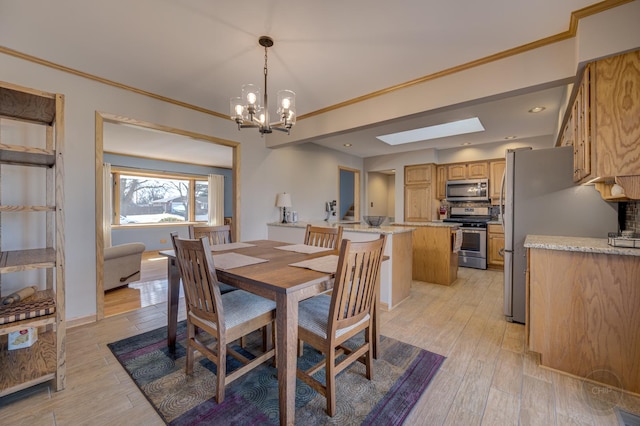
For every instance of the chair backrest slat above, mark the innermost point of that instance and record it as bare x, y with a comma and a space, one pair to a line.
356, 282
216, 234
322, 236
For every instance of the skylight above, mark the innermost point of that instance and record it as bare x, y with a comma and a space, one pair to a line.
461, 127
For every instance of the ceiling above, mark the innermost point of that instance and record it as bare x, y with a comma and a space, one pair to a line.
200, 52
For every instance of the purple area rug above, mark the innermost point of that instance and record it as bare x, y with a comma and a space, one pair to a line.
400, 375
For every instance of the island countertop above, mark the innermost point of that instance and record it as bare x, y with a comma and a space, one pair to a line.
577, 244
348, 226
435, 223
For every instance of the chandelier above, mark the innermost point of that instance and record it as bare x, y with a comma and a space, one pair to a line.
247, 111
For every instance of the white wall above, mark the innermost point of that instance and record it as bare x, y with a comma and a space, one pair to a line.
308, 172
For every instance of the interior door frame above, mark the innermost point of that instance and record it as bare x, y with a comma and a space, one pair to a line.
101, 118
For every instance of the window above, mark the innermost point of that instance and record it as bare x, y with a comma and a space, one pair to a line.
145, 197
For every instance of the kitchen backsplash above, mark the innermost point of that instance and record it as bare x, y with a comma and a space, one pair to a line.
632, 216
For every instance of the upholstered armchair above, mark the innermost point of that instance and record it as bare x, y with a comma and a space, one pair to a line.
122, 264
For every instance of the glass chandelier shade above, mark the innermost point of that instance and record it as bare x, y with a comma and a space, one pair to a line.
251, 109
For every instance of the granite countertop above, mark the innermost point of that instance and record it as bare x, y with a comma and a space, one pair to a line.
348, 227
435, 223
494, 222
578, 244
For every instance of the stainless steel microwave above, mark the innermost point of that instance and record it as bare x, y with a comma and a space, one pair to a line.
468, 190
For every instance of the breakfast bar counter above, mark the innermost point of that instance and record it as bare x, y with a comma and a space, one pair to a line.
395, 274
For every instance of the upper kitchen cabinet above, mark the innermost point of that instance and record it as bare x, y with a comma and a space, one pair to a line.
496, 170
461, 171
419, 173
419, 193
602, 124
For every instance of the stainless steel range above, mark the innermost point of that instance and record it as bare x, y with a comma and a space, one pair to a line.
473, 220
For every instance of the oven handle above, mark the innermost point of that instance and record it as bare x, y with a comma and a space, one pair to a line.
473, 231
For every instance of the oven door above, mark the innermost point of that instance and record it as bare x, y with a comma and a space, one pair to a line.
473, 253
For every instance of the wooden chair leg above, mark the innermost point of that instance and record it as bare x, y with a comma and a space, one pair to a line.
221, 370
300, 348
191, 331
330, 390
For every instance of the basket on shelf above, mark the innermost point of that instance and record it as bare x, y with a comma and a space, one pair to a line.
41, 303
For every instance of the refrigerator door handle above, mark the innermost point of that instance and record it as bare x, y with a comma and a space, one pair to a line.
508, 284
504, 175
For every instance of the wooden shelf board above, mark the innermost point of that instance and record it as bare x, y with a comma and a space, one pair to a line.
22, 368
28, 106
12, 154
32, 322
22, 260
27, 208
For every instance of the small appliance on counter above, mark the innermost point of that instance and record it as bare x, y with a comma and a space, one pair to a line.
330, 210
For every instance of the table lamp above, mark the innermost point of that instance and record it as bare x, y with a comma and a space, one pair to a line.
283, 200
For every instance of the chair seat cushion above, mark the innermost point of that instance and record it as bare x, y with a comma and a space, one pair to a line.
313, 315
226, 288
241, 306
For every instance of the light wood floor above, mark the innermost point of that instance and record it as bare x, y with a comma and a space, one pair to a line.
487, 378
151, 289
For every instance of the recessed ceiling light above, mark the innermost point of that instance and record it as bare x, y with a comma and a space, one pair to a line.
461, 127
347, 145
510, 137
537, 109
466, 143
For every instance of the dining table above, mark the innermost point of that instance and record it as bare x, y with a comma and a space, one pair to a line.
274, 278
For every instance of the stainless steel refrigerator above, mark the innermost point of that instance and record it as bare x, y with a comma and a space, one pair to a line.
540, 198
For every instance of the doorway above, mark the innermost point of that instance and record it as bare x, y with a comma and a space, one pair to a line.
348, 194
101, 119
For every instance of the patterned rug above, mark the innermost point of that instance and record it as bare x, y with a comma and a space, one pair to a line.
400, 375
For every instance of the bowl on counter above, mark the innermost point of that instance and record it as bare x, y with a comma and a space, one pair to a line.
374, 221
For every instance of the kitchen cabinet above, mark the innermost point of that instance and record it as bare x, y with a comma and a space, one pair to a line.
420, 203
462, 171
433, 258
601, 122
419, 174
495, 250
496, 170
441, 182
37, 172
582, 311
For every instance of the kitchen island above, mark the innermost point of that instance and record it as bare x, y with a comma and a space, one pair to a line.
434, 260
395, 275
583, 316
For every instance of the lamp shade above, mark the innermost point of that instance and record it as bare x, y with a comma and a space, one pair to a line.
283, 200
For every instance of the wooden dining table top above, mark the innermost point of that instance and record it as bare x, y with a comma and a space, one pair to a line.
276, 275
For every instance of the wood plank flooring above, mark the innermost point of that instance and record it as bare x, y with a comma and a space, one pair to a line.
487, 379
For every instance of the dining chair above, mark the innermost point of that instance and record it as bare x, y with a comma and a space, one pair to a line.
323, 236
326, 322
220, 234
227, 317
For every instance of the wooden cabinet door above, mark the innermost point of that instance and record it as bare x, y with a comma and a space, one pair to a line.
418, 174
496, 246
417, 203
478, 170
456, 171
496, 170
616, 101
441, 182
